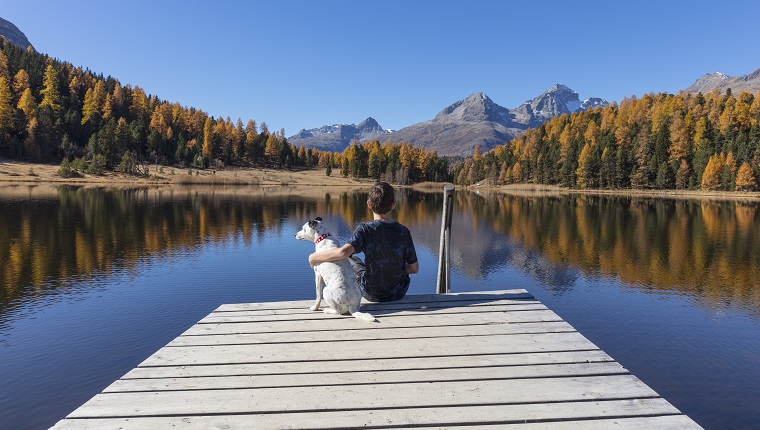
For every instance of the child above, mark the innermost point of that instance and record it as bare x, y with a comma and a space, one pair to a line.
388, 250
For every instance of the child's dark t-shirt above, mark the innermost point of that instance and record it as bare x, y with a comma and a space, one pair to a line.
387, 248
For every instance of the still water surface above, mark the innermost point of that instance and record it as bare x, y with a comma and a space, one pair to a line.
93, 280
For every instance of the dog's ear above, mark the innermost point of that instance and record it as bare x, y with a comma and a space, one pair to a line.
319, 218
313, 224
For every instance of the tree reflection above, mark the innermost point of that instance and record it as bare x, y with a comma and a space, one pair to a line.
703, 248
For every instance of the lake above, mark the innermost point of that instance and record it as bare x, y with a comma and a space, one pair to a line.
95, 280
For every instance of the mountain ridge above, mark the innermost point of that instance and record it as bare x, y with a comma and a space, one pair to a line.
458, 128
722, 82
13, 34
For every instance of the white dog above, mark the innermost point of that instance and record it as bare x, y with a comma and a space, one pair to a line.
341, 290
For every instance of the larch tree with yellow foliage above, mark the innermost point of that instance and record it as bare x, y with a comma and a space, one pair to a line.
27, 104
585, 171
208, 139
50, 95
712, 173
20, 83
94, 99
6, 107
745, 179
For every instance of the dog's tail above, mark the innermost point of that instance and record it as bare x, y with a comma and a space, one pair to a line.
363, 316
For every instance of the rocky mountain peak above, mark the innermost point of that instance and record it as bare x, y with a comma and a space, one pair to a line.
561, 92
337, 137
369, 124
476, 107
457, 129
13, 34
722, 82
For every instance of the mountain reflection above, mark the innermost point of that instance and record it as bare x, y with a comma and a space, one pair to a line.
704, 248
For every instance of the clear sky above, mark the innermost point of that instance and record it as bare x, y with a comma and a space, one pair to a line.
304, 64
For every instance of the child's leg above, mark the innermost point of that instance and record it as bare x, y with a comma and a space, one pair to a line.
358, 266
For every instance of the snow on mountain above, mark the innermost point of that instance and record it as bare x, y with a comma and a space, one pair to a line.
722, 82
458, 128
337, 137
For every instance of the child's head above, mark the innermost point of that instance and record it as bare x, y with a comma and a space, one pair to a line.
382, 198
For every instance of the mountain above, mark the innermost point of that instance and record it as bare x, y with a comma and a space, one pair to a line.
711, 81
478, 121
13, 34
337, 137
460, 127
457, 129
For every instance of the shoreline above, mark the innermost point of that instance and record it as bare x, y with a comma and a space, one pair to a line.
13, 172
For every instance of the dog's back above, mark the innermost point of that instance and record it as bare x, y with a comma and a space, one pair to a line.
341, 291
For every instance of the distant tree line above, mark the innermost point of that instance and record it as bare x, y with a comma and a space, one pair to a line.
659, 141
399, 163
53, 111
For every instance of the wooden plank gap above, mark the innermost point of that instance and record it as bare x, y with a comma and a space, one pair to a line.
412, 357
374, 327
441, 406
316, 340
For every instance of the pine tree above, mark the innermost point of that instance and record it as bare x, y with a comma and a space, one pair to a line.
679, 137
585, 170
94, 99
711, 175
683, 175
20, 83
745, 179
4, 70
272, 148
27, 103
208, 139
728, 177
6, 107
50, 95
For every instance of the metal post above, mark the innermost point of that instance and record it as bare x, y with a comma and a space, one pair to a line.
443, 284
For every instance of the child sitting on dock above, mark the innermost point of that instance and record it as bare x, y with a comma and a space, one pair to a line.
388, 249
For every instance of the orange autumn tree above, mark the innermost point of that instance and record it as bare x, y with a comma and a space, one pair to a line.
711, 176
745, 179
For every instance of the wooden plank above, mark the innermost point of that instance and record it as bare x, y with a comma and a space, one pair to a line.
318, 377
304, 307
306, 314
315, 398
418, 298
463, 362
324, 337
481, 360
370, 349
627, 415
324, 322
670, 422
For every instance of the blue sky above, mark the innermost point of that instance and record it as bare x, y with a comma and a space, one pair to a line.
304, 64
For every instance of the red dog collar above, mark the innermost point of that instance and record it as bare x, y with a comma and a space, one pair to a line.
321, 238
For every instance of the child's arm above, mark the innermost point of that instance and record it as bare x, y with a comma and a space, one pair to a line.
334, 254
411, 269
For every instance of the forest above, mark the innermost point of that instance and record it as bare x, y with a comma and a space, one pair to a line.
658, 141
52, 111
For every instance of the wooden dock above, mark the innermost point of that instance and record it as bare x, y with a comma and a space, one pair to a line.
480, 360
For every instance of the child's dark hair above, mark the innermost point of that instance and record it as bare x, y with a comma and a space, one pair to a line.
381, 198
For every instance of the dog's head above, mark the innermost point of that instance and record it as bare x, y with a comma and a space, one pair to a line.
311, 230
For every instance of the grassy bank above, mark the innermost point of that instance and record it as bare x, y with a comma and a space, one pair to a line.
19, 171
12, 171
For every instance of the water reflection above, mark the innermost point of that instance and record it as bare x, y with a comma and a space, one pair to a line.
702, 248
117, 273
49, 235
